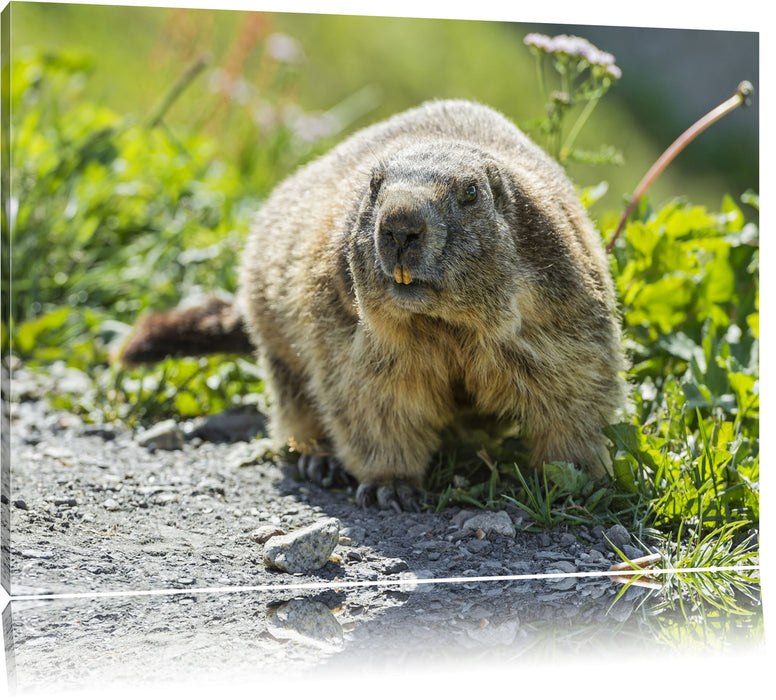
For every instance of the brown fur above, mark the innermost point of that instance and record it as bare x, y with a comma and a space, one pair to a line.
213, 327
511, 304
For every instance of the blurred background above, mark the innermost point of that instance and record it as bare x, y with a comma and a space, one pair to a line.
325, 75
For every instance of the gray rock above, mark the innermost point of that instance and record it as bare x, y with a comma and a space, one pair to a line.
263, 533
393, 566
565, 567
631, 552
163, 436
621, 609
462, 516
552, 555
356, 533
490, 523
37, 554
228, 426
478, 546
618, 536
592, 557
304, 550
491, 634
308, 622
111, 504
563, 584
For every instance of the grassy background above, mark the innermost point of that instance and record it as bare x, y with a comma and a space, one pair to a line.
122, 201
395, 63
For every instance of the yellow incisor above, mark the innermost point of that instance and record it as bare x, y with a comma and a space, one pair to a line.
402, 275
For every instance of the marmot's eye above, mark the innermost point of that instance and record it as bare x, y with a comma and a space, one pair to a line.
469, 194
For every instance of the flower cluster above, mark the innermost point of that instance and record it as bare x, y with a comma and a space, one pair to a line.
582, 75
573, 47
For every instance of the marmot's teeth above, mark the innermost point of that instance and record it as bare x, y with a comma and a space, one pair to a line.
402, 275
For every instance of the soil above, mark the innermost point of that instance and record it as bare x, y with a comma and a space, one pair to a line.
155, 556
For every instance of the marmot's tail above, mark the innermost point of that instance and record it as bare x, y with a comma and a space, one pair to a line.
215, 326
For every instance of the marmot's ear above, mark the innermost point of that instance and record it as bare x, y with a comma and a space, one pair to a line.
501, 186
376, 180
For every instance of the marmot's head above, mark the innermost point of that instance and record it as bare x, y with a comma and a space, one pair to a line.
433, 238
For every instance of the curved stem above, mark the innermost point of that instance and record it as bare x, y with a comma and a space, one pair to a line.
742, 95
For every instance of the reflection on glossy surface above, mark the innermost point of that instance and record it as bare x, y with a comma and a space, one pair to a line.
82, 644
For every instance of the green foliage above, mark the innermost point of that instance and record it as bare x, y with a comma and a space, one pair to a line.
688, 280
110, 213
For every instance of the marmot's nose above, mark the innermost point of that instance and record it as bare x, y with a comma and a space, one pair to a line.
402, 226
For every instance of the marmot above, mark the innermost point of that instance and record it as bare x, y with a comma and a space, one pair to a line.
434, 260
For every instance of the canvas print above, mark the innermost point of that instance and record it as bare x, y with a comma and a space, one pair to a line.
343, 344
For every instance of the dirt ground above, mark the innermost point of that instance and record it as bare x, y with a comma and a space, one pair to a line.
159, 574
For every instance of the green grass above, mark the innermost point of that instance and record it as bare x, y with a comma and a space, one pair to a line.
114, 216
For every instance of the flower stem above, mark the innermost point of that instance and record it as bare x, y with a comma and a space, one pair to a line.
579, 123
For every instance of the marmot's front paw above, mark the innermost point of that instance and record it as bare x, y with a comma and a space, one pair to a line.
398, 495
324, 470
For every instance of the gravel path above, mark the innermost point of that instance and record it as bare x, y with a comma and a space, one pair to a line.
94, 510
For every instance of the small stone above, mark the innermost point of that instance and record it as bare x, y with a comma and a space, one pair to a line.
393, 566
304, 550
567, 539
263, 533
164, 498
356, 533
618, 536
102, 431
478, 546
565, 567
306, 622
592, 556
57, 452
111, 504
37, 554
631, 552
621, 609
247, 454
163, 436
551, 555
66, 502
21, 505
462, 516
564, 584
490, 523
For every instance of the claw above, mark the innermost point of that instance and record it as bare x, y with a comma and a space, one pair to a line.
386, 498
317, 469
396, 495
324, 470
